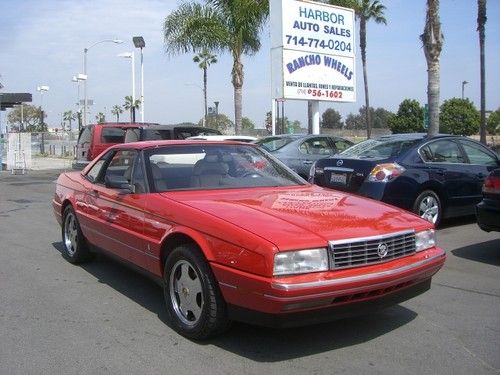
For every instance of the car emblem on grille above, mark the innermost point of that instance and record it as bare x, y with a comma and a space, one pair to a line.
340, 162
382, 250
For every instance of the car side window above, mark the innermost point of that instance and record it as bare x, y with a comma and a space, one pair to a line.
121, 164
478, 156
98, 168
442, 151
85, 135
112, 135
316, 146
93, 174
340, 145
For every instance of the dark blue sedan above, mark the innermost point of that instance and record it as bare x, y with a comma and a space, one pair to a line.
435, 177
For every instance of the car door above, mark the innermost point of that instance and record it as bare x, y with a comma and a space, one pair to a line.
447, 166
118, 216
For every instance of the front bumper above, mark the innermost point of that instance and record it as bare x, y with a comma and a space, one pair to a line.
335, 292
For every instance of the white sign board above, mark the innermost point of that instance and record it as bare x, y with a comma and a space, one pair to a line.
312, 51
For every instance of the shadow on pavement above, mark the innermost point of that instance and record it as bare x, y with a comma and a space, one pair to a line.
486, 252
254, 342
457, 221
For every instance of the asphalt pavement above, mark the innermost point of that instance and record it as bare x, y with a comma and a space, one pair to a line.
103, 318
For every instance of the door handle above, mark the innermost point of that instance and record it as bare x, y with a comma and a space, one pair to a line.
307, 162
94, 193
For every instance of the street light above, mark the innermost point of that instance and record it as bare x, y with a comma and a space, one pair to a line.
85, 50
463, 86
79, 77
130, 55
140, 43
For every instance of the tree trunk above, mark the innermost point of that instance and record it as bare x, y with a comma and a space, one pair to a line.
432, 39
205, 96
433, 94
237, 80
481, 21
362, 45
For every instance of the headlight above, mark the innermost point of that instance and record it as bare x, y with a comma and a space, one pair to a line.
302, 261
425, 240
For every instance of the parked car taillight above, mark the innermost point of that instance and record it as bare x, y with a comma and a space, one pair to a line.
385, 172
492, 185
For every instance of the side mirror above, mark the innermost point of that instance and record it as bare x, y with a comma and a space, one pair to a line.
118, 182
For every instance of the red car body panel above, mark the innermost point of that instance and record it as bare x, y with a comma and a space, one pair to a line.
239, 232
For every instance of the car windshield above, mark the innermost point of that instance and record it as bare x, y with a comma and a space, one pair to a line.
274, 143
379, 148
216, 166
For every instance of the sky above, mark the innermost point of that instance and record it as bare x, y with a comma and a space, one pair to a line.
42, 43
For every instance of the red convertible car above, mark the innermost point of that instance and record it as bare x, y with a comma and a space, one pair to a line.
233, 234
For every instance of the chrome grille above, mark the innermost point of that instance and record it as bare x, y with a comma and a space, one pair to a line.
357, 252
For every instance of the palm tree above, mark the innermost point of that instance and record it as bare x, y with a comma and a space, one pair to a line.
481, 21
204, 59
220, 25
365, 10
131, 105
69, 116
100, 118
117, 110
432, 39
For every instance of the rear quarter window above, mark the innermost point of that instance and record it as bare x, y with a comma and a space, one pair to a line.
112, 135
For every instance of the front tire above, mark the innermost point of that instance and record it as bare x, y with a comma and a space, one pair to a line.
75, 248
428, 207
194, 302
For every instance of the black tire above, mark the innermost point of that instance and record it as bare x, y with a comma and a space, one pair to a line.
75, 248
194, 302
428, 207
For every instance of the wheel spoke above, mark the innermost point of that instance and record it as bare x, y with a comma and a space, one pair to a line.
186, 292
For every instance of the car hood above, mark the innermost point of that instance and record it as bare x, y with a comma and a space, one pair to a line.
300, 217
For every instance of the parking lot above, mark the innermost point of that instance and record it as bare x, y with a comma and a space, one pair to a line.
103, 317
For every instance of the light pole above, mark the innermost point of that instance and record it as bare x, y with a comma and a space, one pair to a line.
130, 55
42, 89
140, 43
85, 50
79, 77
463, 86
217, 113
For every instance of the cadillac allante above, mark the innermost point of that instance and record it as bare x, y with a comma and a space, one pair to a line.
232, 234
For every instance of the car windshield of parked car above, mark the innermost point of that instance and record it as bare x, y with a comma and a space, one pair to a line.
216, 166
274, 143
379, 148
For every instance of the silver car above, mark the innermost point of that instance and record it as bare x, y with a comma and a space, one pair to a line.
300, 151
